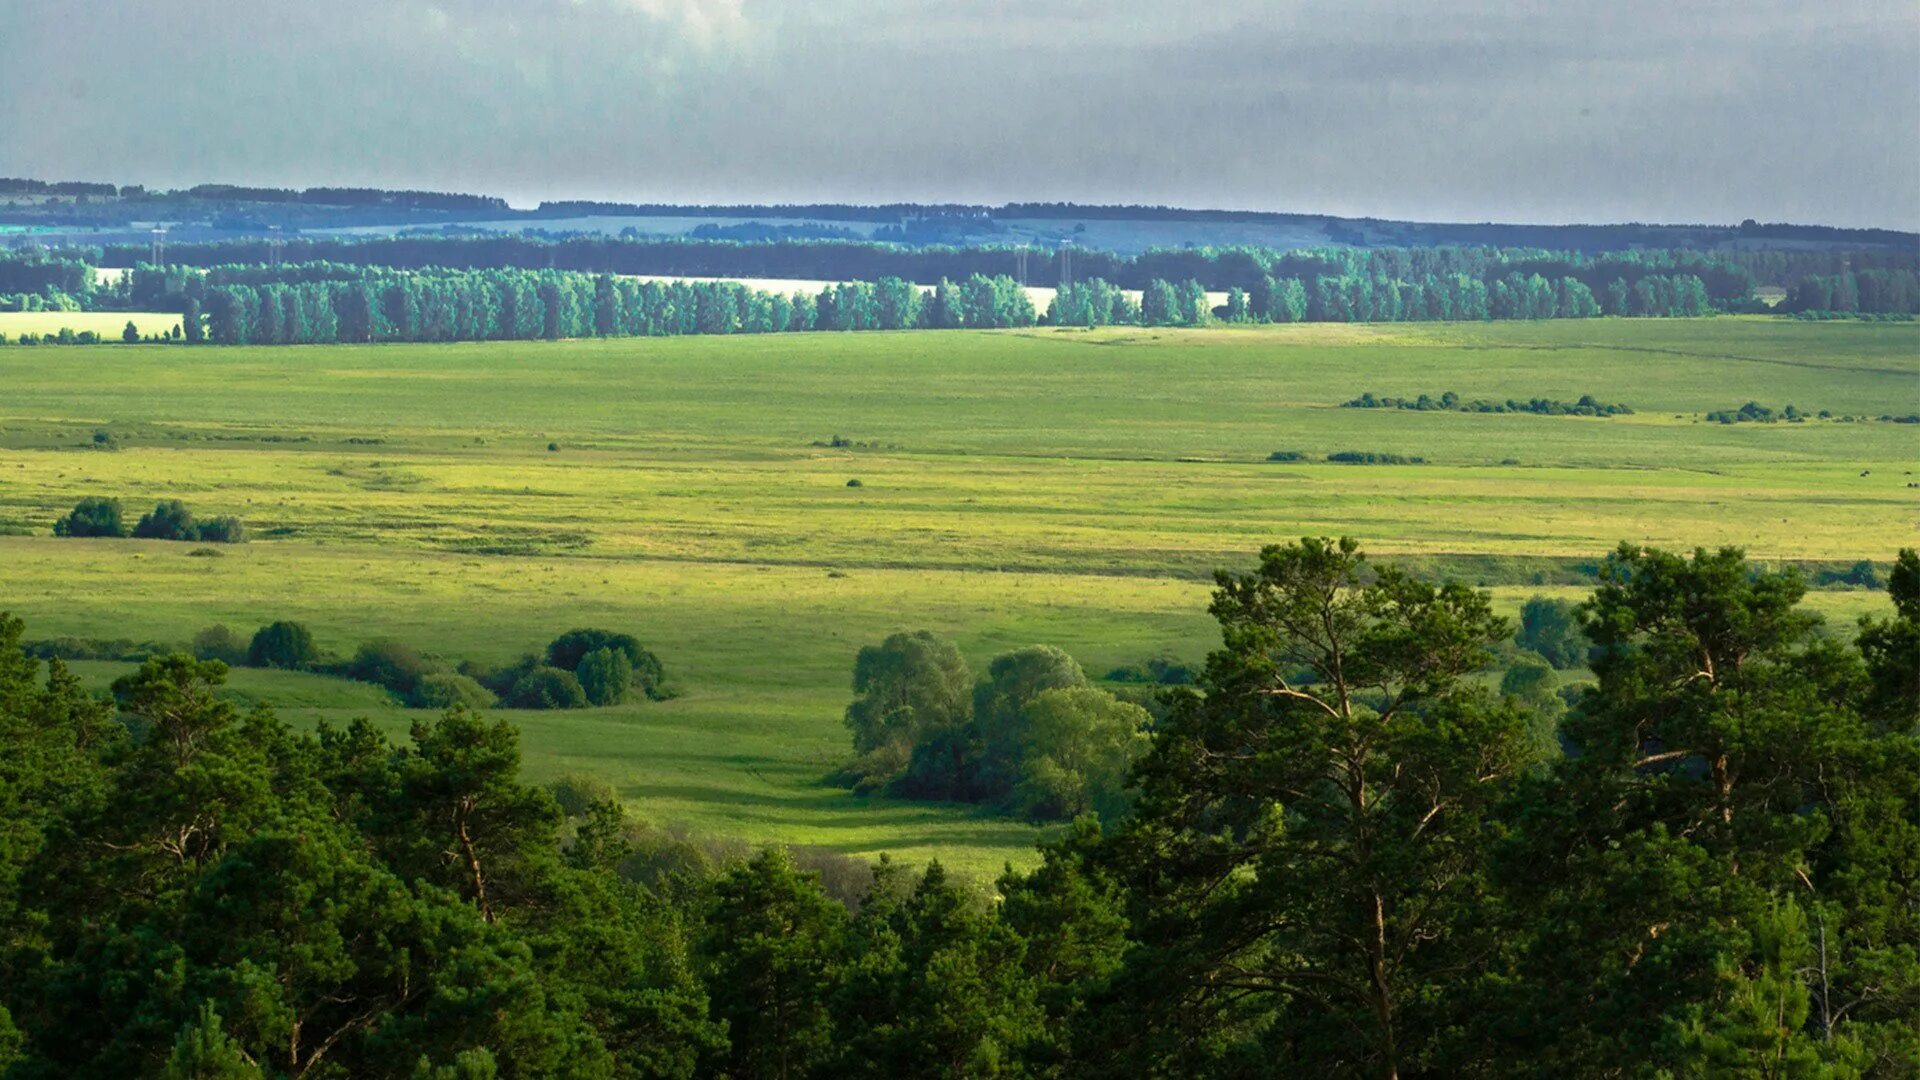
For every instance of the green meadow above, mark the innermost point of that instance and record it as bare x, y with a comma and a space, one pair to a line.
1063, 486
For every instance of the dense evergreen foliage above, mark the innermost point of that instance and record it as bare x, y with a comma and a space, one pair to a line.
1338, 854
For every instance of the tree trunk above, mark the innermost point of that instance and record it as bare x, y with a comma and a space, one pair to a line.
473, 860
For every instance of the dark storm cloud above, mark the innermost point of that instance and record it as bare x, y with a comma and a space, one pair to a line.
1627, 110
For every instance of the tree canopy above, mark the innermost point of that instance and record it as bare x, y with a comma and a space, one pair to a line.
1338, 852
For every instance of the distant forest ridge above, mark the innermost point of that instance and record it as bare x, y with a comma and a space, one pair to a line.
235, 210
1730, 275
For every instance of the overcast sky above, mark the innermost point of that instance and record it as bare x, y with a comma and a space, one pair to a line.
1508, 110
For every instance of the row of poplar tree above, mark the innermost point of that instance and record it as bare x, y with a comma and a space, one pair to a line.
480, 305
352, 304
1354, 298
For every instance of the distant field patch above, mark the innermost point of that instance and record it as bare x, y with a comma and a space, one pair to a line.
107, 324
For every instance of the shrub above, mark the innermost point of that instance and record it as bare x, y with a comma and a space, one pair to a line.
1862, 574
1287, 455
1074, 754
92, 516
445, 689
170, 520
219, 642
1451, 402
575, 792
1551, 628
1751, 413
569, 649
1164, 670
855, 482
606, 675
500, 680
78, 648
222, 530
286, 645
396, 666
1368, 457
548, 688
1530, 679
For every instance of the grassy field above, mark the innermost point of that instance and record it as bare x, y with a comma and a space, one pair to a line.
1069, 487
108, 324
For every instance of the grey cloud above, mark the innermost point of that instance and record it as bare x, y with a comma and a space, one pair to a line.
1635, 109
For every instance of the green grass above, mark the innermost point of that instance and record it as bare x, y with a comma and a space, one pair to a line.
107, 324
1058, 486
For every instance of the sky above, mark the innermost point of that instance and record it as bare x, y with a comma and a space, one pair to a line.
1443, 110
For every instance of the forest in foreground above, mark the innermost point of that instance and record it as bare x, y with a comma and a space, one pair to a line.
1344, 856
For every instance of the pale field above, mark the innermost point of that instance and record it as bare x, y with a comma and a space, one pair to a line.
108, 324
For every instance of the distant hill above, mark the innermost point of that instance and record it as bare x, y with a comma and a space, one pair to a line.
57, 212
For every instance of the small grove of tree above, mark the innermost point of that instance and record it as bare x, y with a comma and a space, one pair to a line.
419, 680
1093, 302
287, 645
169, 520
579, 668
92, 516
1035, 739
1876, 291
1552, 629
219, 642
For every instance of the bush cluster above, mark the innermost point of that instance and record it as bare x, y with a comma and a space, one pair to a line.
1163, 670
420, 680
1861, 575
1030, 737
1369, 457
1755, 413
168, 520
1550, 629
581, 667
1451, 402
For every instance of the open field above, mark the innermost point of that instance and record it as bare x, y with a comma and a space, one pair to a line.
1059, 486
107, 324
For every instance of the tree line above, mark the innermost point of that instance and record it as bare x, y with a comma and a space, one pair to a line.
483, 290
1727, 279
1344, 855
1867, 292
482, 305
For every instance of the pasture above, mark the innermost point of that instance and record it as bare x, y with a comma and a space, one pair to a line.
1059, 486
